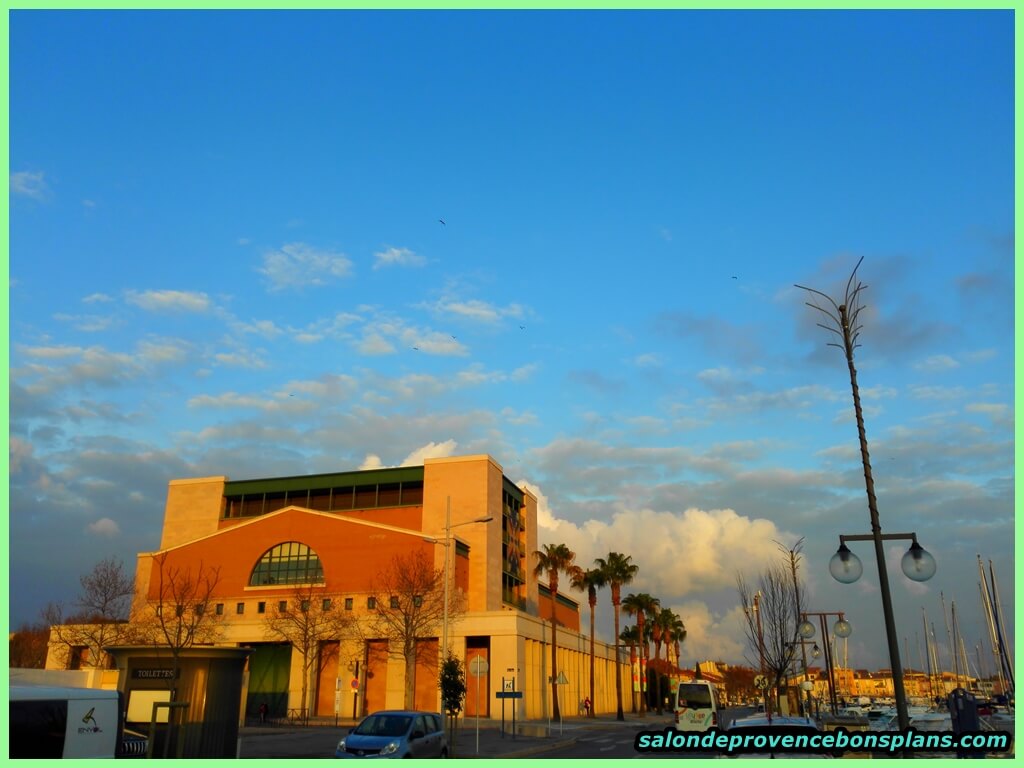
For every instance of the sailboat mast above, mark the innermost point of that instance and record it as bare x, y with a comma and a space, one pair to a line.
955, 665
997, 611
986, 602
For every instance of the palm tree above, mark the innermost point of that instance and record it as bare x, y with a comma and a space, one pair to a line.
642, 606
674, 632
552, 559
630, 637
663, 624
590, 580
617, 571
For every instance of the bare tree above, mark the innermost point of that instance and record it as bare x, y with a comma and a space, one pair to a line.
99, 617
772, 617
180, 616
409, 606
310, 618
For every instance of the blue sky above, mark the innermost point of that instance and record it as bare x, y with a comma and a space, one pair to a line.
226, 258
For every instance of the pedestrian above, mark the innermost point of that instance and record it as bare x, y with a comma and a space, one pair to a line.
586, 706
263, 712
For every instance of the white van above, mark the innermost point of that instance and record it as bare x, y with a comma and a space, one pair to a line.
696, 706
52, 722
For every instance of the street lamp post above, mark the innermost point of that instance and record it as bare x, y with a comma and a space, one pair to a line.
806, 685
447, 542
845, 324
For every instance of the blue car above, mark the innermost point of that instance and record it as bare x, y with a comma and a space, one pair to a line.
396, 734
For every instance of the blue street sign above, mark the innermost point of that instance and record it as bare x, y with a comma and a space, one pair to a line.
508, 694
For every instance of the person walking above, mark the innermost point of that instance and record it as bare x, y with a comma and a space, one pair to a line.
586, 706
263, 712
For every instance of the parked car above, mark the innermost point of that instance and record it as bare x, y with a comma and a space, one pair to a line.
396, 734
788, 724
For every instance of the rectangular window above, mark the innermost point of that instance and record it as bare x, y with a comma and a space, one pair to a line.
239, 608
261, 607
348, 603
282, 606
394, 602
388, 495
371, 603
326, 606
219, 609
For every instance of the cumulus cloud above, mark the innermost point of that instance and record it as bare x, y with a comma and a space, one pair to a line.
29, 184
104, 527
372, 461
169, 301
94, 298
430, 451
710, 635
400, 257
296, 265
682, 553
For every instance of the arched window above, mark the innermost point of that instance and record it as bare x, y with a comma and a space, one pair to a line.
287, 563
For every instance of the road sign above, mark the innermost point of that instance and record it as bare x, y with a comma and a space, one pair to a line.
760, 681
478, 666
509, 685
562, 679
355, 683
508, 694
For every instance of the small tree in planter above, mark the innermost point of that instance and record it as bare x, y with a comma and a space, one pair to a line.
452, 682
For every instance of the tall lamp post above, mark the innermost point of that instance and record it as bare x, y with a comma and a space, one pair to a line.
447, 543
844, 323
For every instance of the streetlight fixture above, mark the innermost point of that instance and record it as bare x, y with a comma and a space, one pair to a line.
917, 563
841, 628
446, 543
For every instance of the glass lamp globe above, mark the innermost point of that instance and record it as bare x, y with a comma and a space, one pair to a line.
806, 629
807, 685
845, 566
917, 563
815, 651
842, 628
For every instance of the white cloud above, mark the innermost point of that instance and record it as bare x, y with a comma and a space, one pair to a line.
93, 298
241, 359
169, 301
30, 184
86, 323
648, 360
104, 527
937, 363
51, 353
683, 553
375, 344
710, 635
297, 264
401, 257
372, 461
479, 311
430, 451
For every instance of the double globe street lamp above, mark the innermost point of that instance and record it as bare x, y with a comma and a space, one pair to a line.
841, 628
917, 564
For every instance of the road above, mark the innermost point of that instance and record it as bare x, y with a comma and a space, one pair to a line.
616, 741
